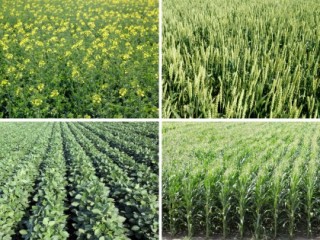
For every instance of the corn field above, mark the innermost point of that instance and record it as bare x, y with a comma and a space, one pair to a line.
241, 180
241, 59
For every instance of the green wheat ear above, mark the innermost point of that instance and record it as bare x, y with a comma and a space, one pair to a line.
248, 48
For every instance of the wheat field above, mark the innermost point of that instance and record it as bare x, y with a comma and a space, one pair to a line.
241, 59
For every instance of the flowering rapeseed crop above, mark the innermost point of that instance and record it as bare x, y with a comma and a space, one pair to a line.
73, 58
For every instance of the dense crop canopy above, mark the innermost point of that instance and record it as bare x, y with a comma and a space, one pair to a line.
241, 59
78, 59
243, 180
65, 181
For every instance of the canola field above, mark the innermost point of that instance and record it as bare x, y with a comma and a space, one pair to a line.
79, 181
241, 180
79, 59
241, 59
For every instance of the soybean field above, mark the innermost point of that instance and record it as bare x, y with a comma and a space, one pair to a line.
79, 181
241, 59
241, 180
79, 59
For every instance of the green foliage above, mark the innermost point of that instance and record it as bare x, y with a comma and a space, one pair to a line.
47, 220
241, 59
15, 193
241, 180
79, 59
66, 182
135, 193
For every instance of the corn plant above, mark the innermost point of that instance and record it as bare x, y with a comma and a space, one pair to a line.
210, 188
242, 180
225, 196
244, 193
260, 199
311, 182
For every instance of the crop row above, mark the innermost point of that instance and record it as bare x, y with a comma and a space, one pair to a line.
16, 191
64, 184
137, 203
260, 184
140, 154
14, 148
47, 218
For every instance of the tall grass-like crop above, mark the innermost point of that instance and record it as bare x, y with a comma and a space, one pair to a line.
225, 198
244, 189
241, 180
311, 182
241, 59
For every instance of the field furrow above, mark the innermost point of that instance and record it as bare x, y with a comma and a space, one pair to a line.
138, 206
142, 173
62, 181
140, 155
239, 184
16, 192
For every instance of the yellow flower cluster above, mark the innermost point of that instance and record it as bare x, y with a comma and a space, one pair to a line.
96, 99
140, 93
54, 93
123, 92
50, 49
36, 102
4, 83
40, 87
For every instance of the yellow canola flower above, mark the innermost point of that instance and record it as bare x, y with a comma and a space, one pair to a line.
11, 69
104, 86
54, 93
96, 99
75, 73
18, 91
146, 55
36, 102
155, 109
140, 93
9, 56
90, 64
91, 25
40, 87
123, 92
67, 54
42, 63
126, 56
39, 43
4, 83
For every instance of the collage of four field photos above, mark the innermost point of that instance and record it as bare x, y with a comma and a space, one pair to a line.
159, 119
